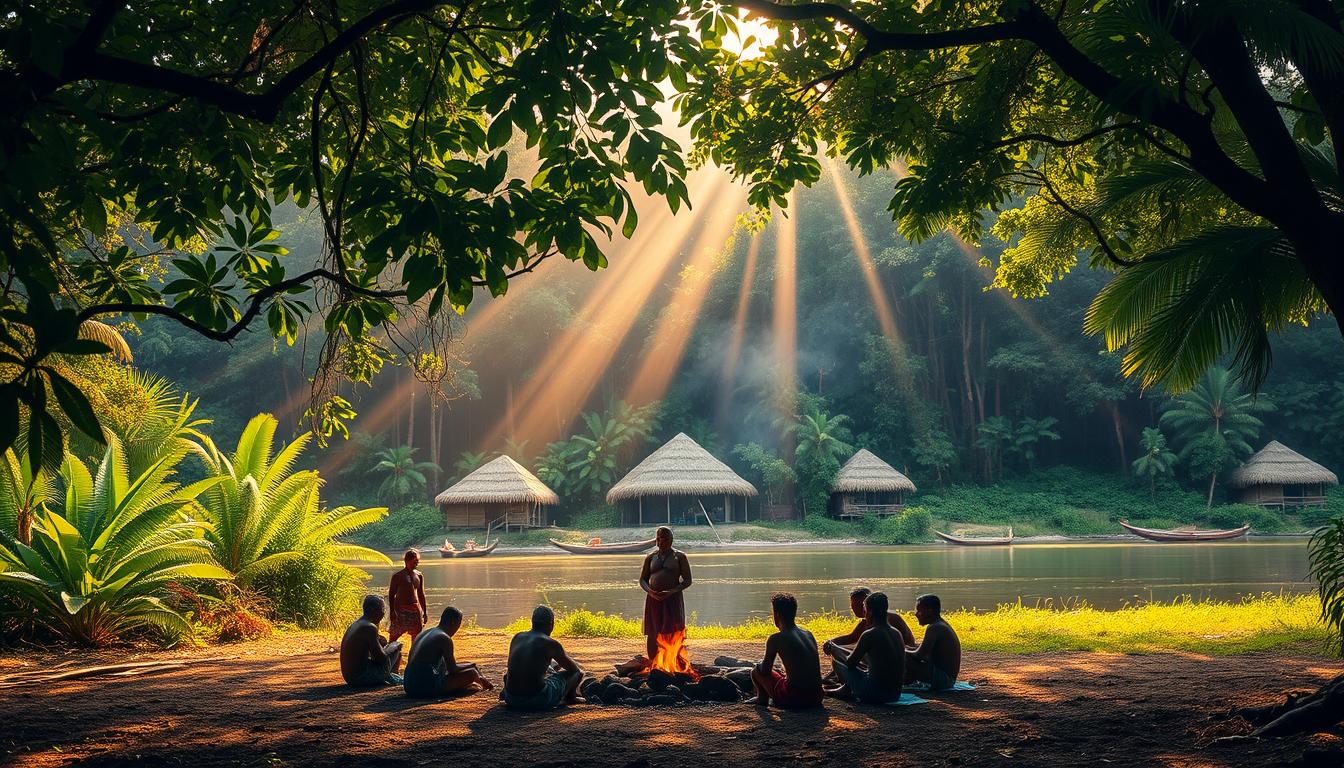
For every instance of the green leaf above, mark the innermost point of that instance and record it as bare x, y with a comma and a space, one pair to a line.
75, 405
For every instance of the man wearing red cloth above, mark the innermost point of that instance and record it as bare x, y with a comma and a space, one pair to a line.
666, 574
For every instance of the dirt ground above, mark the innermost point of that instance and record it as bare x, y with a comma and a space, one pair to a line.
282, 702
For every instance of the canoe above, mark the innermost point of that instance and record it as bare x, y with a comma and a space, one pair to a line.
1191, 534
976, 541
478, 552
605, 549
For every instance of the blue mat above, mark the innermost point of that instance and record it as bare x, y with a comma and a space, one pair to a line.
960, 685
905, 700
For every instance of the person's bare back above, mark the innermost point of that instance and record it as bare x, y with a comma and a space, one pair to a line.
529, 683
797, 649
365, 659
530, 657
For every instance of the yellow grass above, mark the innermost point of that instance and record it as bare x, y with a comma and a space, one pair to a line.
1255, 624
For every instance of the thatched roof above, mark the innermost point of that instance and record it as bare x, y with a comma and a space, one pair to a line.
1277, 464
501, 481
864, 473
680, 468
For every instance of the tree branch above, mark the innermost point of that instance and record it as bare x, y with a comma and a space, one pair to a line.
89, 64
1058, 142
257, 300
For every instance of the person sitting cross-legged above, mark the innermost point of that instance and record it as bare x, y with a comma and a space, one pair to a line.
366, 659
839, 648
882, 648
432, 669
529, 683
800, 685
937, 660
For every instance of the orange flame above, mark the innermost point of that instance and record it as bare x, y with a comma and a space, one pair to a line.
672, 657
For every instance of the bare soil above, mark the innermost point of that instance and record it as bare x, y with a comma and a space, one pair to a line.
282, 702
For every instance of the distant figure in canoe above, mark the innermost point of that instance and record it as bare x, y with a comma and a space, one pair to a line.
406, 598
937, 660
800, 685
875, 671
366, 659
530, 684
665, 575
432, 669
839, 648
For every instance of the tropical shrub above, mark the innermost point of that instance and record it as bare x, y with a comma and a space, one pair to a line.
266, 520
912, 525
596, 518
103, 554
403, 527
1327, 567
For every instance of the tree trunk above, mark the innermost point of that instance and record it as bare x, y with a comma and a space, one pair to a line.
410, 421
1213, 478
1299, 713
1119, 437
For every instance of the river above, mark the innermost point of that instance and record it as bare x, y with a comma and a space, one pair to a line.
732, 585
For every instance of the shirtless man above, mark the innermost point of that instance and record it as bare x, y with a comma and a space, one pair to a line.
839, 648
937, 660
366, 659
406, 598
800, 685
527, 684
665, 575
883, 648
433, 671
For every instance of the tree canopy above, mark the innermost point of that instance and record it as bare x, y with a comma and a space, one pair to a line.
446, 146
1190, 146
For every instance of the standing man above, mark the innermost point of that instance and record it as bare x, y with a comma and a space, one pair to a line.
665, 575
406, 600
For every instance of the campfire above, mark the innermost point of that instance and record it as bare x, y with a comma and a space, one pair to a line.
673, 659
670, 679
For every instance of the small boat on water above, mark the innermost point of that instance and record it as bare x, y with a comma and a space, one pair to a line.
605, 549
976, 541
469, 551
1186, 534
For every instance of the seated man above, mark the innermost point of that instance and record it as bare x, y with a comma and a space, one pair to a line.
800, 685
839, 648
937, 660
883, 648
366, 660
527, 684
433, 671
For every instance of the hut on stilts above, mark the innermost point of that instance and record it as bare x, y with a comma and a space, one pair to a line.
867, 485
498, 494
1278, 476
681, 483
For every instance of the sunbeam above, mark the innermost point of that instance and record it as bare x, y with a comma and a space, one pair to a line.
784, 324
734, 350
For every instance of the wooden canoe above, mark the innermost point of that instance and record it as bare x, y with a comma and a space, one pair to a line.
605, 549
976, 541
477, 552
1191, 534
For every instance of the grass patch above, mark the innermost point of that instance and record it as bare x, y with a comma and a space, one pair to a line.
1261, 623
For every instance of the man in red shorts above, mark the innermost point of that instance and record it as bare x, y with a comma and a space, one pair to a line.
406, 600
800, 685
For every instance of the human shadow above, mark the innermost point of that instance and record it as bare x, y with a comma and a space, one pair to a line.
400, 702
331, 691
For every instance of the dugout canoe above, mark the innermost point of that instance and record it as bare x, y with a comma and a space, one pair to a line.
619, 548
1189, 534
976, 541
477, 552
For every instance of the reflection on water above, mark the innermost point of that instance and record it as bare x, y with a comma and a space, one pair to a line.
731, 586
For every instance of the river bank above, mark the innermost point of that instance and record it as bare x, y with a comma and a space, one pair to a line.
281, 702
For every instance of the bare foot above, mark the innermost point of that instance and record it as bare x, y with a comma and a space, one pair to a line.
758, 701
839, 692
486, 685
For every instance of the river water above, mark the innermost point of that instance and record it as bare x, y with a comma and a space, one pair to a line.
732, 585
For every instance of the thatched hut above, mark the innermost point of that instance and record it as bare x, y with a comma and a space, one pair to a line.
673, 482
500, 493
1278, 476
867, 485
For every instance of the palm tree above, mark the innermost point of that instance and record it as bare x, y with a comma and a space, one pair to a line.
23, 492
405, 476
1028, 433
468, 462
821, 442
821, 437
263, 516
1156, 461
102, 555
1215, 422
